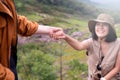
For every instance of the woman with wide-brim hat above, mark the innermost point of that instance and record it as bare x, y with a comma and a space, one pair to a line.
103, 48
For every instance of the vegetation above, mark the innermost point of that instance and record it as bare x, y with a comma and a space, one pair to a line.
41, 61
35, 64
77, 71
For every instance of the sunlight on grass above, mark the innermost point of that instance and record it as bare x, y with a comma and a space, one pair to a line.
72, 23
80, 24
34, 17
74, 54
68, 54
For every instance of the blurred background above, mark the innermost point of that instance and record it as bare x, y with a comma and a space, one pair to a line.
42, 58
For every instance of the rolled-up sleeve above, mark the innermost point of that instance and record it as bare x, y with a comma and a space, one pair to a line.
26, 27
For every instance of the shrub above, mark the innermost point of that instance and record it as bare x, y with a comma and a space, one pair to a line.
77, 71
33, 64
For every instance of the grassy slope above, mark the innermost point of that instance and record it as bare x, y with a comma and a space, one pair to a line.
56, 16
60, 16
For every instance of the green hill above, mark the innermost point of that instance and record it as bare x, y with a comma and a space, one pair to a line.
42, 60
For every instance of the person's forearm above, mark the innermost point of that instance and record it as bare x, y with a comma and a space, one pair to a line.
73, 42
43, 29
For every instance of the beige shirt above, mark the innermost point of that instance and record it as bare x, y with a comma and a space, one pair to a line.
108, 61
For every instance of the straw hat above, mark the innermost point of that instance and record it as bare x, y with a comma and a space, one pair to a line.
101, 18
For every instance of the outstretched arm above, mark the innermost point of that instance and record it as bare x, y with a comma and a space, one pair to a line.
27, 28
50, 30
73, 42
76, 44
42, 29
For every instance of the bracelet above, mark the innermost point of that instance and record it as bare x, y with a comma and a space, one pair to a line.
102, 78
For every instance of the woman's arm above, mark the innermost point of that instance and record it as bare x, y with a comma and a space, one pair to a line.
115, 70
76, 44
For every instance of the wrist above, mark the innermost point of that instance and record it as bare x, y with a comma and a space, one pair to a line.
66, 37
102, 78
43, 29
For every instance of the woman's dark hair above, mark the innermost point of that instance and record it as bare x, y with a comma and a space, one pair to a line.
109, 38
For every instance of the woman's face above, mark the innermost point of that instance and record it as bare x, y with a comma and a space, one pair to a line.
101, 29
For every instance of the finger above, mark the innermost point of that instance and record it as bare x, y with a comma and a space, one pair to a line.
56, 29
51, 33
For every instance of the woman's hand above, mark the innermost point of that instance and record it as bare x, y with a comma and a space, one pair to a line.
56, 33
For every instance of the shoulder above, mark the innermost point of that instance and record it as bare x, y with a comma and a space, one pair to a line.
89, 40
117, 41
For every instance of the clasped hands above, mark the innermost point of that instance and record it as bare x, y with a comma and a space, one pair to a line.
56, 33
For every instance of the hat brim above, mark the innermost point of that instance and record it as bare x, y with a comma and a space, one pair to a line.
92, 23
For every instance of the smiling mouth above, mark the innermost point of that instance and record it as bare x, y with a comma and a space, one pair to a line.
99, 31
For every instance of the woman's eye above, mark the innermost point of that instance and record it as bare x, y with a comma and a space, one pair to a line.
105, 24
